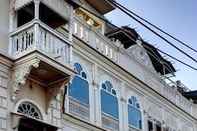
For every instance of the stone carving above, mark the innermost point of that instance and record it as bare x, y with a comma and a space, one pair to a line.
21, 73
140, 54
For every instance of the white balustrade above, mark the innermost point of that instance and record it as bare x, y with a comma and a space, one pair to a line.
23, 42
110, 123
49, 42
78, 109
95, 39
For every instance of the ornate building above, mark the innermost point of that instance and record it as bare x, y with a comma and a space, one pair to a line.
64, 67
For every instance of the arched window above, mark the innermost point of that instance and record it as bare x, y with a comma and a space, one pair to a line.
79, 93
29, 110
109, 107
134, 113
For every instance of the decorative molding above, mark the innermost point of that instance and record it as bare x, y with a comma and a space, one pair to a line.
21, 73
122, 99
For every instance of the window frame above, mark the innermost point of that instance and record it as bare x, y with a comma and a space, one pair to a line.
103, 113
79, 71
136, 108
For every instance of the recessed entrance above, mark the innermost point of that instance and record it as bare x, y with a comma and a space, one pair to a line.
30, 118
27, 124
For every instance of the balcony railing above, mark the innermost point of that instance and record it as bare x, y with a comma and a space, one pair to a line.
38, 36
110, 123
78, 109
95, 39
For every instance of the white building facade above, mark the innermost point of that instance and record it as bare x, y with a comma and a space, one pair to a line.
63, 67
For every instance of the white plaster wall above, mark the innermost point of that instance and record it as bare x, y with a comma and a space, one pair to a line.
35, 93
4, 24
69, 126
4, 76
154, 107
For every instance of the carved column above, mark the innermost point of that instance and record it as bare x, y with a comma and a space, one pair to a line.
36, 26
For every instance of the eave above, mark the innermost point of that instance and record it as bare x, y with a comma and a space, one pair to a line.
102, 6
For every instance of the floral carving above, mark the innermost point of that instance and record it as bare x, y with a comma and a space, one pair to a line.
21, 73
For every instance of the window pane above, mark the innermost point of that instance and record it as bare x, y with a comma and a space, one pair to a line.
79, 89
109, 104
134, 117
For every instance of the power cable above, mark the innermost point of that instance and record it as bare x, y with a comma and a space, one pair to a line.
161, 30
108, 22
162, 37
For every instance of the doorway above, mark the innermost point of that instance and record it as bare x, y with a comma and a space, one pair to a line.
27, 124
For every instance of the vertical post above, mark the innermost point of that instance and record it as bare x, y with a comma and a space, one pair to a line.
97, 107
92, 95
36, 9
36, 26
71, 21
145, 120
11, 25
123, 113
70, 48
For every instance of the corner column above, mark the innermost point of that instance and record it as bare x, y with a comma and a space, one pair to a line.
36, 26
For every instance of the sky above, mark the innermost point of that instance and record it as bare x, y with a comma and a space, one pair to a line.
177, 17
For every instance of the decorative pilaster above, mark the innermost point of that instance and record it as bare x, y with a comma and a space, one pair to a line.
123, 113
97, 107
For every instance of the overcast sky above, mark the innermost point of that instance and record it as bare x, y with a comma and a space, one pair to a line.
178, 17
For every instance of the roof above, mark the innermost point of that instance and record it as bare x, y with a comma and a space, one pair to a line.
128, 38
162, 66
191, 95
126, 35
102, 6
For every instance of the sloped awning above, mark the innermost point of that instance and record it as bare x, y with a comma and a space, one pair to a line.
59, 6
162, 66
191, 95
102, 6
127, 36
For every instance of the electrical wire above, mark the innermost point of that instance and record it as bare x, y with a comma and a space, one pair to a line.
154, 32
108, 22
156, 27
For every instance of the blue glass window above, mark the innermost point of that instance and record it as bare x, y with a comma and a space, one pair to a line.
79, 87
134, 113
109, 101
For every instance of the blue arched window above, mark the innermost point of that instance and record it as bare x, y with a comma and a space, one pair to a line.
79, 93
109, 106
134, 113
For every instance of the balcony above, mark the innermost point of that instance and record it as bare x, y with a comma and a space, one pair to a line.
110, 123
36, 36
78, 109
95, 39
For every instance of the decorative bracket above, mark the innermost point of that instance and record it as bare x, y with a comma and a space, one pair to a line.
21, 73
